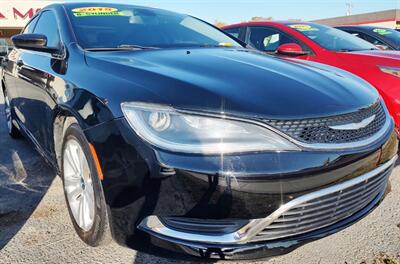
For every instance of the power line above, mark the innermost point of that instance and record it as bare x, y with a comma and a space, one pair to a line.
349, 9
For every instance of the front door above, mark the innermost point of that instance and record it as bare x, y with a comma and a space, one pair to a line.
34, 71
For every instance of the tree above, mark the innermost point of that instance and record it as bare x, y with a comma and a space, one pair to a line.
260, 18
219, 24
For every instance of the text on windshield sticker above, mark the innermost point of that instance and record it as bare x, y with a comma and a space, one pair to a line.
382, 31
96, 11
303, 27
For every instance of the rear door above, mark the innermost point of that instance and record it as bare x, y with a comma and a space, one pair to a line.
34, 71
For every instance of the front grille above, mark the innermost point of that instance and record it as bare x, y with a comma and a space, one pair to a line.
317, 130
325, 210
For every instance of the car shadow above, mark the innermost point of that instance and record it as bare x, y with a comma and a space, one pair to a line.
24, 180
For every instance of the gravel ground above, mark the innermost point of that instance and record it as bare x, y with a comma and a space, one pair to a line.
35, 226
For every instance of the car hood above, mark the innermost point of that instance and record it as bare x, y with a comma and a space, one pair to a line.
387, 54
373, 56
240, 82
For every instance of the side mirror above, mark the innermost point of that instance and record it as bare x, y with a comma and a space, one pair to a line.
35, 42
291, 49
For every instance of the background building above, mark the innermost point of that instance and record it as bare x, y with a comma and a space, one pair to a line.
388, 18
14, 15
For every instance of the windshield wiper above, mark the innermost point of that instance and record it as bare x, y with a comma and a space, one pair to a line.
210, 46
349, 50
122, 48
221, 45
129, 46
345, 50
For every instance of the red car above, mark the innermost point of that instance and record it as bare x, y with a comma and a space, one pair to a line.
318, 43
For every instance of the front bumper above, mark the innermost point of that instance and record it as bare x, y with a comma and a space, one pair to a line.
266, 249
371, 189
141, 182
371, 184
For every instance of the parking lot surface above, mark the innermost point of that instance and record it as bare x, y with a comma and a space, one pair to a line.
35, 226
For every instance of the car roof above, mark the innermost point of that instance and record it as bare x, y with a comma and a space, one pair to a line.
79, 4
359, 26
72, 5
270, 23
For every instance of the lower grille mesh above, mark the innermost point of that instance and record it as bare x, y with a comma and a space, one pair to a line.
325, 210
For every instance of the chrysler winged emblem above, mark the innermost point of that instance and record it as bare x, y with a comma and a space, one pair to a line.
354, 126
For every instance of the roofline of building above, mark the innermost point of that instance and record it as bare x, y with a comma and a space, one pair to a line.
373, 17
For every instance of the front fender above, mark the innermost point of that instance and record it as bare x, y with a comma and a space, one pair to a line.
88, 109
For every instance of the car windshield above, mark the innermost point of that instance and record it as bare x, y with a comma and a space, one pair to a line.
388, 33
331, 38
128, 27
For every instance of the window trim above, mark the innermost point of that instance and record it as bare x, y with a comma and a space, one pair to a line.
37, 15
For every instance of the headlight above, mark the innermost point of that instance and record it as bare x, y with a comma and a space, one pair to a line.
390, 70
168, 129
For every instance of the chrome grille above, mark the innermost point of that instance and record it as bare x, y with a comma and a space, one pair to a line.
318, 131
325, 210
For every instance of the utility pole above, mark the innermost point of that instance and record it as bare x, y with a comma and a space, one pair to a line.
349, 9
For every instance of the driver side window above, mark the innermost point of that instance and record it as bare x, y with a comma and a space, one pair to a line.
47, 25
268, 39
235, 32
373, 40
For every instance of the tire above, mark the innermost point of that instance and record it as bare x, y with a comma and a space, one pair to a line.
11, 128
83, 190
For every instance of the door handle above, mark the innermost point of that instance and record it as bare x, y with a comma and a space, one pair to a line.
20, 63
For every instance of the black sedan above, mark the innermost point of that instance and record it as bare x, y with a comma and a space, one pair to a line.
383, 38
169, 133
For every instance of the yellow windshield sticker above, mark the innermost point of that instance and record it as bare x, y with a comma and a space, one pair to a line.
225, 44
382, 31
303, 27
96, 11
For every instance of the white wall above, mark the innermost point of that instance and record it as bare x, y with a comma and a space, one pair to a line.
387, 24
15, 13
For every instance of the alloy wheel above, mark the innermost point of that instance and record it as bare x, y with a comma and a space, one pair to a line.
78, 185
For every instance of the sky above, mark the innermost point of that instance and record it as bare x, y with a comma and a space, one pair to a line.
233, 11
